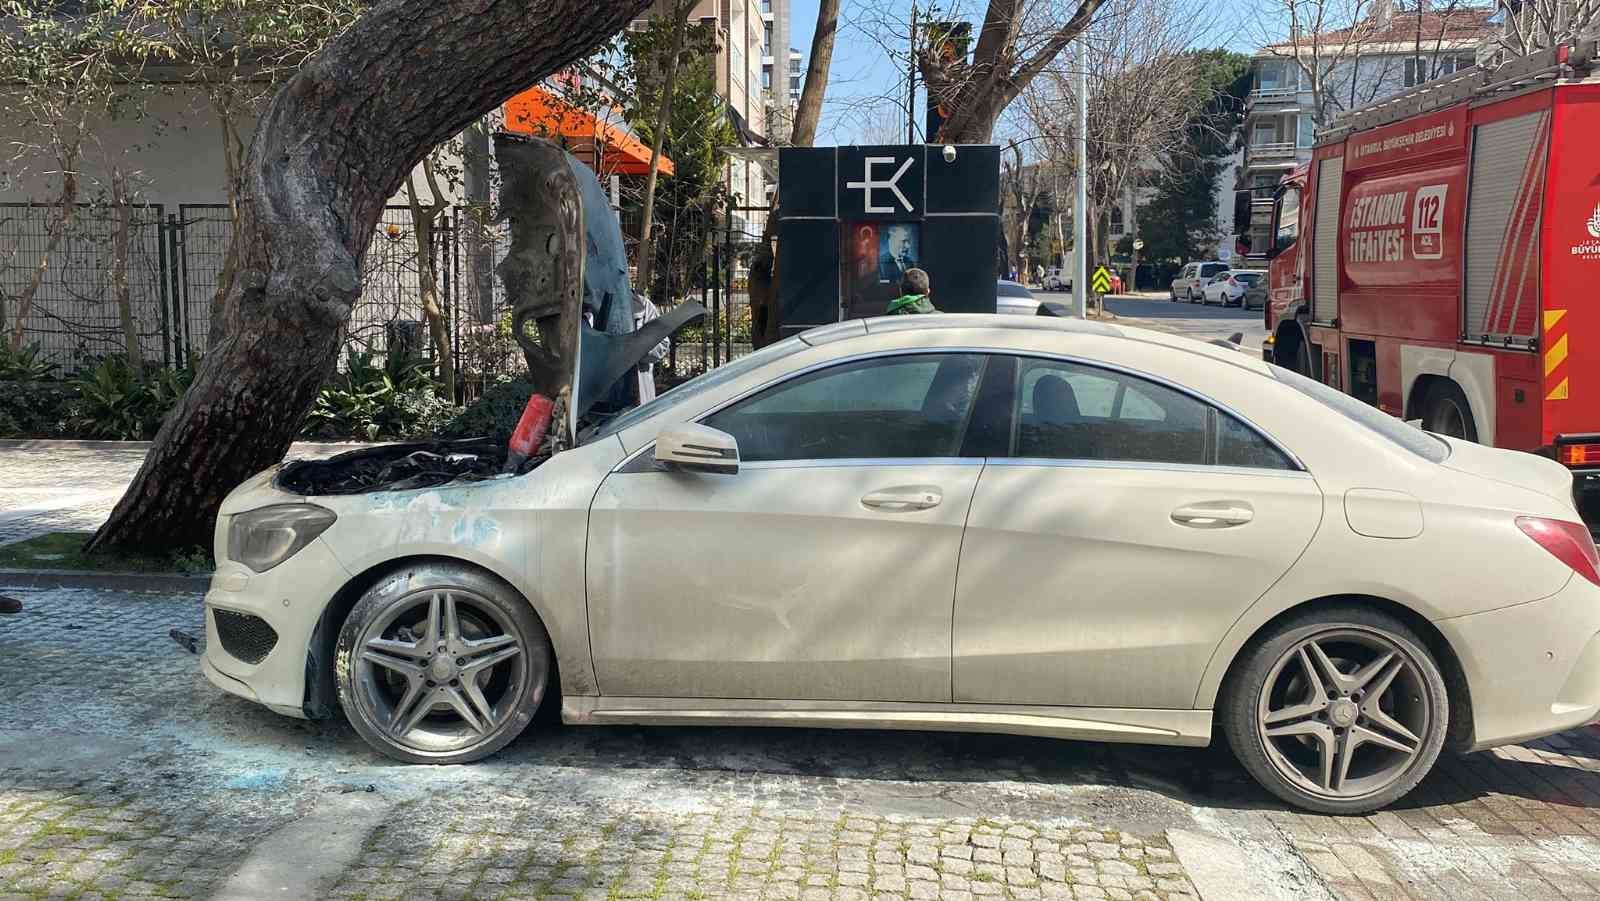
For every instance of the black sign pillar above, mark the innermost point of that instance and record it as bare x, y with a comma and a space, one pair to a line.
851, 220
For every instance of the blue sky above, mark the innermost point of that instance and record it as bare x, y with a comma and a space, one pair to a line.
863, 71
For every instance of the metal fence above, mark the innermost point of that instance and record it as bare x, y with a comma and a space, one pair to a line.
176, 260
74, 312
175, 263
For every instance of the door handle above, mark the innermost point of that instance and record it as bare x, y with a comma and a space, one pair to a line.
1220, 515
900, 500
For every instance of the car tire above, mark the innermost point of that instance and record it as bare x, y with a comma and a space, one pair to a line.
1447, 412
1345, 740
441, 663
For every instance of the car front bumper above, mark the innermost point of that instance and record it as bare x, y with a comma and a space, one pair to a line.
1532, 669
244, 659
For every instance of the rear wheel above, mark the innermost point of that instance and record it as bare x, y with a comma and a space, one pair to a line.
1446, 412
1341, 710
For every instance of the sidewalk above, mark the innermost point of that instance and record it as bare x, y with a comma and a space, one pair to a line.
71, 486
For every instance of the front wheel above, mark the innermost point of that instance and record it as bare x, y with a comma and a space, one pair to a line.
1446, 412
1341, 710
441, 663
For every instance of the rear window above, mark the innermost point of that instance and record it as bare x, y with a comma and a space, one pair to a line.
1248, 278
1211, 269
1407, 436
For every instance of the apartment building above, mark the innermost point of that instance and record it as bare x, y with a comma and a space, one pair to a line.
1394, 49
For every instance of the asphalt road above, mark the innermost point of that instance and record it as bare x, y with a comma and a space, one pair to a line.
1193, 320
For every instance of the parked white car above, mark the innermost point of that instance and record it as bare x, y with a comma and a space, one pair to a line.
1192, 279
1024, 525
1013, 298
1057, 279
1227, 288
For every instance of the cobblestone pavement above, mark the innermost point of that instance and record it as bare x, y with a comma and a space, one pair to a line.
124, 774
71, 486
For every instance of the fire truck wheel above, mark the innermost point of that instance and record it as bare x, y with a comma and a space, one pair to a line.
1447, 412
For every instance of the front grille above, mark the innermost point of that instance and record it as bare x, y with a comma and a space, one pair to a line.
246, 637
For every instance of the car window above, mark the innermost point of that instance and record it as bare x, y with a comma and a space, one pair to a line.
1071, 411
1012, 289
917, 405
1248, 278
699, 385
1212, 269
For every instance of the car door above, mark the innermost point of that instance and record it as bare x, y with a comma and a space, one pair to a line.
1106, 554
823, 570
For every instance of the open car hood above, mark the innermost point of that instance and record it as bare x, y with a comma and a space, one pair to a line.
566, 274
573, 312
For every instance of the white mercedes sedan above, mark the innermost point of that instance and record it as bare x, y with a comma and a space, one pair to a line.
996, 524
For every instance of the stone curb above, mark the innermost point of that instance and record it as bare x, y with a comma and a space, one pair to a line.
69, 578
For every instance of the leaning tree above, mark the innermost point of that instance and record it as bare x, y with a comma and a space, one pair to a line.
333, 146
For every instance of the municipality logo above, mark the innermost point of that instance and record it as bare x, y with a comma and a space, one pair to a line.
1594, 223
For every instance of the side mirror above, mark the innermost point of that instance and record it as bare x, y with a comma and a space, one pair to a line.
697, 448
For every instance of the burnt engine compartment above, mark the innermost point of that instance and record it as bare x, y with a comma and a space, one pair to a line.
400, 467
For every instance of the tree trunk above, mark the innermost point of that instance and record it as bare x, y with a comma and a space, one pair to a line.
122, 224
809, 113
423, 219
233, 169
647, 248
333, 146
764, 272
66, 209
480, 248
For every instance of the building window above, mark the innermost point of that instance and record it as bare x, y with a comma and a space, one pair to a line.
1308, 131
1265, 132
766, 78
1270, 76
766, 40
1118, 223
1422, 69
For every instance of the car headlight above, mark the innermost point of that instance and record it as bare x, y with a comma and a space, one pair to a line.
264, 538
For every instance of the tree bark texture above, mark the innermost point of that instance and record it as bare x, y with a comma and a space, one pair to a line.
333, 146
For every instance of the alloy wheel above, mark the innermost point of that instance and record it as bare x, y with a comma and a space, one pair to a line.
440, 671
1342, 714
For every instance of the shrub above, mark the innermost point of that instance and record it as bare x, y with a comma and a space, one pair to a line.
34, 409
370, 400
494, 415
113, 402
23, 365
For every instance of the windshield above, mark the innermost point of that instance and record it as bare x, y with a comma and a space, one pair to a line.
697, 386
1405, 435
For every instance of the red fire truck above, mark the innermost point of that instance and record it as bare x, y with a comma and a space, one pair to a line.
1439, 258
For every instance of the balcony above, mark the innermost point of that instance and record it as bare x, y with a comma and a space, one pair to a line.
1272, 150
1276, 98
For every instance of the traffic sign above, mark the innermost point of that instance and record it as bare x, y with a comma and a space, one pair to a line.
1101, 281
1138, 244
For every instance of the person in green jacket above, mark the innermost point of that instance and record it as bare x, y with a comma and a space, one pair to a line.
914, 295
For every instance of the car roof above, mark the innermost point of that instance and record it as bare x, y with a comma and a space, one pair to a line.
881, 325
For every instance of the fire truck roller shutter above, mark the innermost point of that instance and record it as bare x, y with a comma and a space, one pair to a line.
1500, 298
1325, 244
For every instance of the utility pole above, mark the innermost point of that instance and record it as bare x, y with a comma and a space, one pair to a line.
911, 81
1080, 203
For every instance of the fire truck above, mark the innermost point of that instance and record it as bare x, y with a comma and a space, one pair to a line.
1439, 258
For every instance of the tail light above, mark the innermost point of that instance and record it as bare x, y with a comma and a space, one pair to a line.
1574, 455
1569, 542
